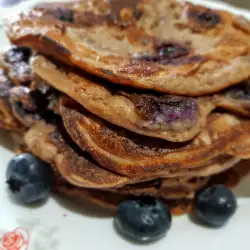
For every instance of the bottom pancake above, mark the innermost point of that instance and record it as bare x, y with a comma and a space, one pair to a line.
111, 201
230, 178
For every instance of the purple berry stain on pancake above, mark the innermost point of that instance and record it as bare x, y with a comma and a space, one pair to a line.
174, 111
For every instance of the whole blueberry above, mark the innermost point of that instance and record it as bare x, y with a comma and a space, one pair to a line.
29, 178
143, 220
215, 205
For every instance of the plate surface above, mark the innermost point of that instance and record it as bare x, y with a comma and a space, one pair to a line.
62, 225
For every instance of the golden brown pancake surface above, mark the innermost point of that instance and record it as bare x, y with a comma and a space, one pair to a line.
170, 46
133, 155
173, 118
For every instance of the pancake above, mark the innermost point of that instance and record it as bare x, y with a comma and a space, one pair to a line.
111, 201
181, 187
170, 46
169, 117
7, 119
235, 99
14, 70
32, 104
23, 105
46, 142
74, 167
78, 169
230, 178
130, 154
50, 144
173, 118
15, 61
169, 147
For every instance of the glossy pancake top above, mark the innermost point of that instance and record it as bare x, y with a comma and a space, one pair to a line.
170, 46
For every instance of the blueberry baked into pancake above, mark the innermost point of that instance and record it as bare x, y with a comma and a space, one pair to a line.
142, 107
14, 70
169, 117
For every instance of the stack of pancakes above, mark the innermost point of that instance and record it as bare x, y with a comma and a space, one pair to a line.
130, 98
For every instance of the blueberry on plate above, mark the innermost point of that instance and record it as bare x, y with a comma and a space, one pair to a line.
143, 220
215, 205
29, 178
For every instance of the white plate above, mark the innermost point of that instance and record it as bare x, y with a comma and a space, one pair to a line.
61, 225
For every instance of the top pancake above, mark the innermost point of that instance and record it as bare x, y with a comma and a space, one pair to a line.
169, 46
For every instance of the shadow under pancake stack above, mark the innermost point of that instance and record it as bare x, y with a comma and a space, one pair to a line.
144, 98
